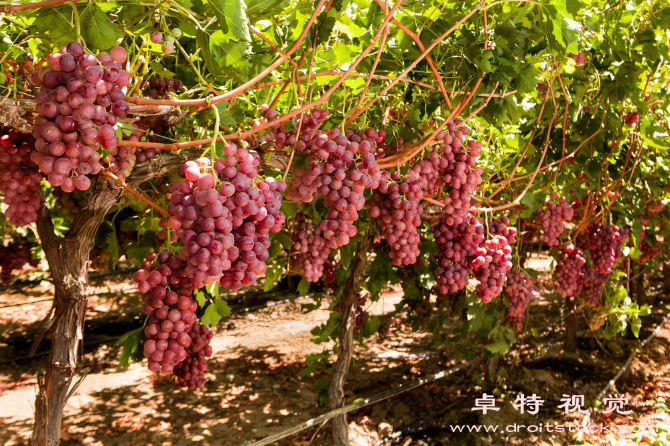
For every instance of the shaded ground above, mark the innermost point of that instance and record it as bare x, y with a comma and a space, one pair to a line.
253, 388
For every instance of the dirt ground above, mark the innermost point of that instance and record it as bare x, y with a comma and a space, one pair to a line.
253, 388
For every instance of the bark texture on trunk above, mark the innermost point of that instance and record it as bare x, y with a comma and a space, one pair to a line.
492, 371
336, 399
68, 263
570, 342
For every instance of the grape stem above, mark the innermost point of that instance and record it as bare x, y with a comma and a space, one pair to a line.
518, 199
208, 100
134, 193
212, 148
77, 21
273, 46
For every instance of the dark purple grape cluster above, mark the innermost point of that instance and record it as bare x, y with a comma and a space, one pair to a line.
191, 371
19, 177
167, 292
79, 103
570, 271
160, 88
396, 205
552, 216
309, 249
457, 245
520, 290
604, 242
494, 259
359, 311
594, 285
14, 257
648, 252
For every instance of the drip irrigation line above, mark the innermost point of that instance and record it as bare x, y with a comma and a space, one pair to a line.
423, 421
366, 402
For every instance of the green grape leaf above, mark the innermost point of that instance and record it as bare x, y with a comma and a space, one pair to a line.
97, 30
232, 18
131, 342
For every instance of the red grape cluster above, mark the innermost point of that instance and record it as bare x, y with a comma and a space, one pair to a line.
19, 177
311, 121
160, 88
648, 252
654, 207
330, 273
225, 224
569, 271
604, 241
78, 105
493, 259
594, 284
167, 291
552, 216
396, 206
457, 244
579, 58
122, 159
309, 248
13, 257
631, 118
191, 370
520, 290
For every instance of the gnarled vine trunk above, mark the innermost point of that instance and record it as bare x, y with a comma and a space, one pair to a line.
68, 263
336, 389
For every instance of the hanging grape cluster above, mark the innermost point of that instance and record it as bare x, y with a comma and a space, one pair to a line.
79, 102
604, 241
552, 217
493, 259
223, 219
520, 290
160, 88
569, 271
191, 371
19, 177
14, 257
648, 252
396, 207
167, 294
309, 250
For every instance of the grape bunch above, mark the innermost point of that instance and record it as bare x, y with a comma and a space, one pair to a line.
98, 259
579, 58
330, 273
167, 292
225, 224
14, 257
68, 203
494, 259
648, 252
594, 284
457, 244
570, 271
520, 290
604, 241
654, 207
160, 88
631, 118
122, 159
190, 371
552, 216
79, 103
309, 250
311, 121
359, 312
396, 206
19, 177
